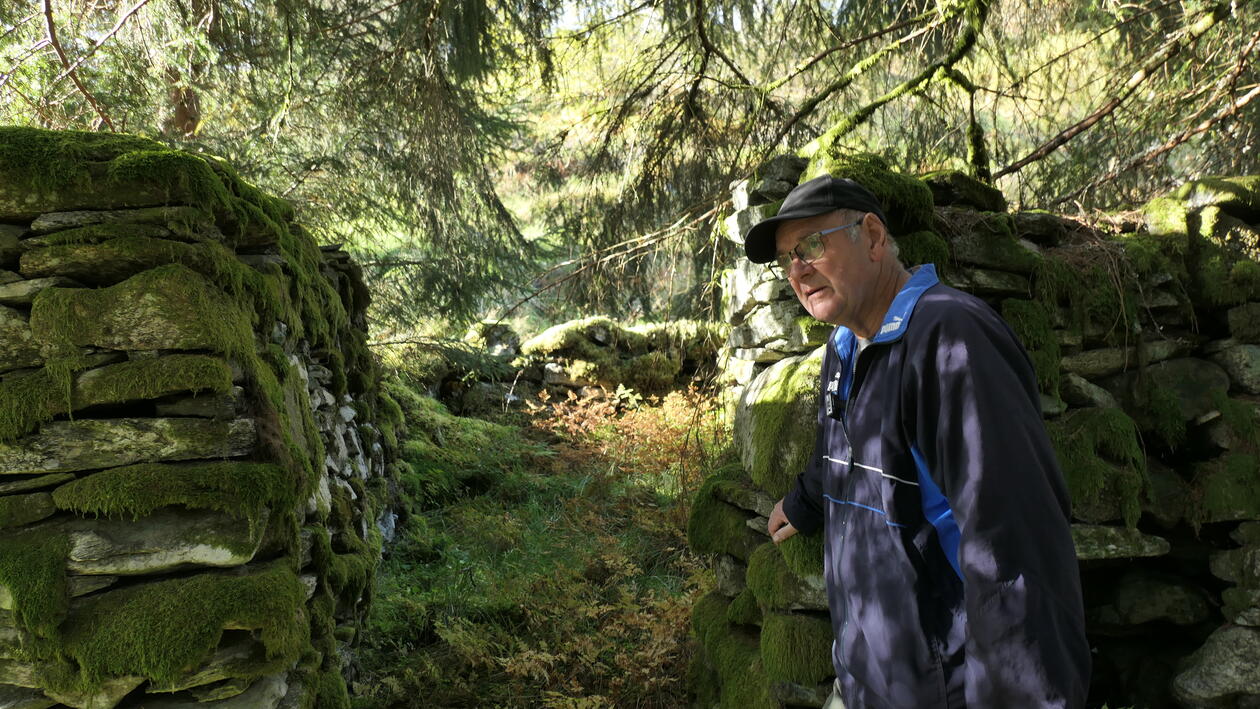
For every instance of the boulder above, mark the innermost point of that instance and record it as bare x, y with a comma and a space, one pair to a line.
957, 188
783, 322
164, 541
1097, 542
1239, 566
89, 444
21, 510
773, 421
1222, 672
1042, 228
10, 246
1241, 606
1193, 383
986, 240
1242, 364
777, 587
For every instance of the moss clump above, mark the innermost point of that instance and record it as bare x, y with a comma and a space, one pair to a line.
1034, 327
33, 571
776, 431
160, 630
796, 648
734, 655
1158, 412
907, 201
1102, 459
1228, 488
744, 609
1166, 216
1094, 294
803, 553
771, 580
923, 247
27, 401
715, 526
236, 488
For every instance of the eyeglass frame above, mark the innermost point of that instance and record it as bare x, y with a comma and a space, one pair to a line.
795, 252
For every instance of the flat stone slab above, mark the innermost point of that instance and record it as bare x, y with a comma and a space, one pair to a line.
8, 488
265, 693
21, 510
163, 541
23, 292
1113, 360
23, 698
1098, 542
18, 348
160, 216
105, 443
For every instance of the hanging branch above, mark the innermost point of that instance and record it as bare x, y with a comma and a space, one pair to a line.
804, 66
65, 61
88, 55
1209, 20
861, 67
962, 46
710, 48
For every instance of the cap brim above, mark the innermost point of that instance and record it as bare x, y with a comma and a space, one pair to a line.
759, 244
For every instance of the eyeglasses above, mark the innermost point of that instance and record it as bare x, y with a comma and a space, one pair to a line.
810, 248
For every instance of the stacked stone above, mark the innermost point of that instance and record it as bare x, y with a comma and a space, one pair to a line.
593, 357
1143, 329
193, 478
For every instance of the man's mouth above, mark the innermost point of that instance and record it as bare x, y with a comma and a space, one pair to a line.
810, 291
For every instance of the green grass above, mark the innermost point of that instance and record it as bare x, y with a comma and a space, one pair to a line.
542, 563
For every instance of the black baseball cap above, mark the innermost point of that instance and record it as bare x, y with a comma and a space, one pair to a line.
818, 196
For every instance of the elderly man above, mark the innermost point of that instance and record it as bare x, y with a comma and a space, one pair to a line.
950, 569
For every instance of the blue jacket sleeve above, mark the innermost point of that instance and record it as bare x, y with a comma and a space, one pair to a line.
803, 504
978, 427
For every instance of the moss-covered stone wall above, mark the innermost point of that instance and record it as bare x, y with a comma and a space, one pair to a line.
1144, 330
194, 483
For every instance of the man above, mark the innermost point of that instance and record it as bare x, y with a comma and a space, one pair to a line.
951, 575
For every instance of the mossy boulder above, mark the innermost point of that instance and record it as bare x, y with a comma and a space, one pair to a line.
1227, 488
777, 587
160, 542
796, 648
957, 188
21, 510
1244, 323
921, 247
734, 655
1101, 455
776, 419
1164, 397
1166, 216
985, 239
907, 201
1239, 196
718, 527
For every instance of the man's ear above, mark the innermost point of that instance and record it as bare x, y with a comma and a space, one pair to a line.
876, 235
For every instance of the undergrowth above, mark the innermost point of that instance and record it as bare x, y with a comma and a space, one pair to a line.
559, 576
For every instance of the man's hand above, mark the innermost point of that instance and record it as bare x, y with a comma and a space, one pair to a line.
778, 526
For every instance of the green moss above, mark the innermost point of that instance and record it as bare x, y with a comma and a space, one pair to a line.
734, 655
237, 488
771, 580
27, 401
1101, 456
803, 553
1228, 488
1166, 216
907, 201
53, 160
33, 570
715, 526
1095, 294
330, 691
923, 247
1157, 411
744, 609
1034, 326
779, 424
126, 255
796, 648
162, 629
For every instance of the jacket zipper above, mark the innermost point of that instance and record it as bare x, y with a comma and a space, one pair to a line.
845, 511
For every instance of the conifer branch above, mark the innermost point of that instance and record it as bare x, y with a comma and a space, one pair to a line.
65, 61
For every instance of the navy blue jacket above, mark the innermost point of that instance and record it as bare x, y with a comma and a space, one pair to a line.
950, 569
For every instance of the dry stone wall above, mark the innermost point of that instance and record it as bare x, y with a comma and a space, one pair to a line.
194, 479
1144, 329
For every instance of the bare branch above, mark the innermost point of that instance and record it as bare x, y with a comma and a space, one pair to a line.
117, 26
65, 61
1205, 23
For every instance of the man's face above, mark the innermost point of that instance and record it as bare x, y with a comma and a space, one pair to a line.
836, 286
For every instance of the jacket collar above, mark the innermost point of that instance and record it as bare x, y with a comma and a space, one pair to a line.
897, 319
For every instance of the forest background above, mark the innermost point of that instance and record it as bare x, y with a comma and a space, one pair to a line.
539, 160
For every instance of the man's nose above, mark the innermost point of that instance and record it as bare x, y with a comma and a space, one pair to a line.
799, 267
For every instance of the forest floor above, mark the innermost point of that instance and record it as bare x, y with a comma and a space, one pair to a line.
557, 575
